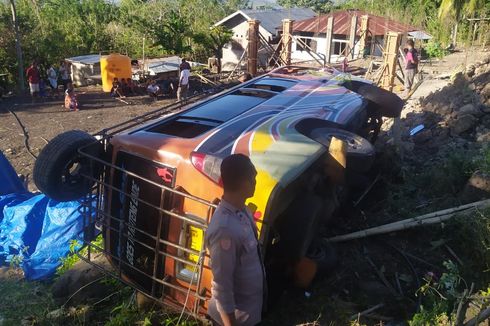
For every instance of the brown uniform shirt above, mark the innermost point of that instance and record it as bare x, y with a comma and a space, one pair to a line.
238, 273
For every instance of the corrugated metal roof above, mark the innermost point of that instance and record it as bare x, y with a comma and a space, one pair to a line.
88, 59
342, 19
158, 66
420, 35
271, 19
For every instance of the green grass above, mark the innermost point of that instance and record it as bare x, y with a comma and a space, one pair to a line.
23, 300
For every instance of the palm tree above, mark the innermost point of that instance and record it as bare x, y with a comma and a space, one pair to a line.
455, 10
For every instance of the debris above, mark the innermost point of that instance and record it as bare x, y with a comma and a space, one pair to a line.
367, 311
415, 130
381, 276
454, 255
432, 218
469, 109
368, 189
477, 187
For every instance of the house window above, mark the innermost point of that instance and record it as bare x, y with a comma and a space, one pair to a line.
339, 48
305, 44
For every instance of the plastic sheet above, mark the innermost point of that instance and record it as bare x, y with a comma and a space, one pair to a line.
36, 232
9, 182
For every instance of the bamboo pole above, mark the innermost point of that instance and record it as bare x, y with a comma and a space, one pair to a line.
432, 218
482, 316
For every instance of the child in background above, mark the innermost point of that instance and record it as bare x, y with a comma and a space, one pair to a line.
153, 90
116, 89
71, 102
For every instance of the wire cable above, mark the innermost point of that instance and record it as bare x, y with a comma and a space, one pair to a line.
25, 132
199, 261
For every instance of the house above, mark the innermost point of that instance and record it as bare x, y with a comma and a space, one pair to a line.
270, 20
84, 68
312, 32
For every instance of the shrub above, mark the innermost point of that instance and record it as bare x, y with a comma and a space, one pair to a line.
435, 50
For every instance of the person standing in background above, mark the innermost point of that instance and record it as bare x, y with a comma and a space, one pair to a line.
65, 72
33, 77
184, 65
411, 65
53, 80
183, 84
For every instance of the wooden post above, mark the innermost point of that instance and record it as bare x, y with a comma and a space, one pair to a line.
328, 39
352, 35
390, 56
253, 39
364, 31
287, 40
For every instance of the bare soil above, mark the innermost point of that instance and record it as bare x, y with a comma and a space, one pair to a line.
46, 118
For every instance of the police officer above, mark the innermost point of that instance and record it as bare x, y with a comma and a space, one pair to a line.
238, 272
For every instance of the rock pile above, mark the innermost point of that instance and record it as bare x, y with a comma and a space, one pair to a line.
458, 113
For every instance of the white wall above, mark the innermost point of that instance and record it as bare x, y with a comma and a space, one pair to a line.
231, 56
298, 55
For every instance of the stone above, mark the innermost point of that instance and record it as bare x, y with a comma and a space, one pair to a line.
469, 109
484, 137
485, 92
485, 121
462, 123
81, 275
443, 110
477, 187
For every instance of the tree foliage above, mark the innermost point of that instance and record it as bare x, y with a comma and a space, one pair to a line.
52, 30
55, 29
320, 6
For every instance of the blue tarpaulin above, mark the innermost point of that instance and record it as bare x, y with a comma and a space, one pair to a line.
35, 231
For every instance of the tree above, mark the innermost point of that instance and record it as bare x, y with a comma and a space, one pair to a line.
171, 33
215, 39
454, 10
18, 48
320, 6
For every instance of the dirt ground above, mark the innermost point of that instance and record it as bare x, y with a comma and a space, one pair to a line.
47, 118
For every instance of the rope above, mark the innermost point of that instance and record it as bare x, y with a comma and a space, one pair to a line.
199, 261
25, 132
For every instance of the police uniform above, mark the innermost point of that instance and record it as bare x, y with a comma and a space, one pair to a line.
238, 272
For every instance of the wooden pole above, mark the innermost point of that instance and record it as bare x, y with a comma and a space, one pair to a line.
390, 56
435, 217
252, 50
352, 35
364, 31
328, 39
287, 40
18, 47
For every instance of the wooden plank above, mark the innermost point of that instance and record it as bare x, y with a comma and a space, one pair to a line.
287, 39
390, 58
328, 40
252, 49
364, 32
352, 35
